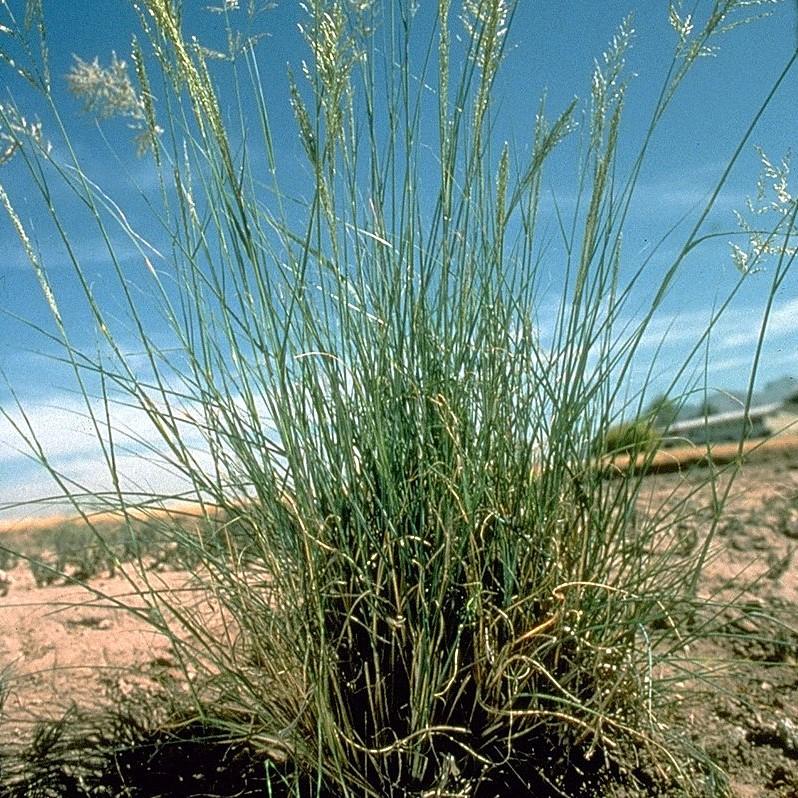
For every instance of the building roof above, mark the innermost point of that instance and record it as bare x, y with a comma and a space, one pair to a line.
730, 405
753, 414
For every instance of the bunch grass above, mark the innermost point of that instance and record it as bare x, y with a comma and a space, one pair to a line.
450, 598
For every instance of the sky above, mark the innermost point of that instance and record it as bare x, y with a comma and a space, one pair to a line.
551, 49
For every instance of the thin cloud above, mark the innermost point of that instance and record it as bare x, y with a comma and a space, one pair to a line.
32, 490
675, 329
783, 321
742, 365
690, 190
67, 437
66, 434
736, 328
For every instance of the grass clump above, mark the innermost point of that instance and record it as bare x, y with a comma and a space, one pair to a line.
631, 438
77, 550
424, 587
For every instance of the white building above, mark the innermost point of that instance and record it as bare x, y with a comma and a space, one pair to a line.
774, 411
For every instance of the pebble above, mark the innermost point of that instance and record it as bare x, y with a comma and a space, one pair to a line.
787, 732
737, 735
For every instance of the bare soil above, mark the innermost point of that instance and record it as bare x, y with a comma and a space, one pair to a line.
61, 644
747, 717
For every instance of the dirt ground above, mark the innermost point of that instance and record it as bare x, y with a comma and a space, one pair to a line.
747, 718
60, 644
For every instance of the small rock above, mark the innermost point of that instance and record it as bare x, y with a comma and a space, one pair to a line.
787, 732
737, 735
747, 626
789, 523
5, 583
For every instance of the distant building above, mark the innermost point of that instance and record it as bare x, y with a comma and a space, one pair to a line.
723, 417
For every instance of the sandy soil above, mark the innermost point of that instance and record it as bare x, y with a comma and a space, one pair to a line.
61, 644
747, 719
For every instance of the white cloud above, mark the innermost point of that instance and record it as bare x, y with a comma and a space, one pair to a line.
783, 321
33, 483
671, 329
772, 361
680, 193
737, 327
67, 436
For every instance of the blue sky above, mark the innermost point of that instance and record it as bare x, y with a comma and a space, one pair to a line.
551, 48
